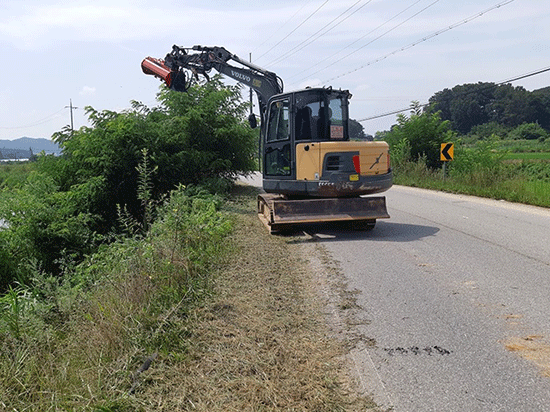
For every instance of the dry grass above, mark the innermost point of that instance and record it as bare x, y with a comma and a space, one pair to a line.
261, 344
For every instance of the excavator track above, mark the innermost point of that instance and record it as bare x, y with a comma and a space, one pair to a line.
280, 214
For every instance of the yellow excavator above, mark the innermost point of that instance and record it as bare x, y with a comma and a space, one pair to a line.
312, 172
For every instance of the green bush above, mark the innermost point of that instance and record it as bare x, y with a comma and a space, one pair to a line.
72, 342
482, 156
424, 133
191, 138
71, 203
528, 131
43, 224
488, 130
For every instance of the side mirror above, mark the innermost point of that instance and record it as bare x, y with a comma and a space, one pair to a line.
252, 121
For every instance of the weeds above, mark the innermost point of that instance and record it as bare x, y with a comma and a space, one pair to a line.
13, 303
77, 342
198, 314
482, 171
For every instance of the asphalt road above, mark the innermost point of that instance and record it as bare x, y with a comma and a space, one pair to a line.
455, 295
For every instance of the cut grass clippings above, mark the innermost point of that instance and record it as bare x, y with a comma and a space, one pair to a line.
261, 342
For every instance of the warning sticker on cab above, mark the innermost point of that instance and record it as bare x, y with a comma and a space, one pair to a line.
337, 132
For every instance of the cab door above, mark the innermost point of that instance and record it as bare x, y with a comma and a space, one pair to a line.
278, 151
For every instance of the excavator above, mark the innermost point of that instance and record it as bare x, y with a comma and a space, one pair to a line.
312, 173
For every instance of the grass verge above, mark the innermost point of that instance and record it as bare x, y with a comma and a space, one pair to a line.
505, 183
261, 343
192, 317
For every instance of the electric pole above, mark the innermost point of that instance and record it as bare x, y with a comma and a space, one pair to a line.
71, 107
251, 104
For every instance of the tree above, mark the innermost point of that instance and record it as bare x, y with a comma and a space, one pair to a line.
541, 103
122, 162
424, 133
512, 106
464, 106
190, 138
470, 105
356, 130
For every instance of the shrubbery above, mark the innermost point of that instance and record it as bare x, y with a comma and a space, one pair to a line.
529, 131
72, 342
73, 203
479, 166
106, 248
419, 136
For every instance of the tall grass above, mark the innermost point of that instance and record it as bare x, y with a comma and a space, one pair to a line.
482, 171
77, 342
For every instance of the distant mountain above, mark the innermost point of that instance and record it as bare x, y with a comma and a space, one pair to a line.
21, 147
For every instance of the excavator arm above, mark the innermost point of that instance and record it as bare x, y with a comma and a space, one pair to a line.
181, 65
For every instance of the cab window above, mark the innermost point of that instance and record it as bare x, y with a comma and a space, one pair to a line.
277, 161
336, 116
278, 126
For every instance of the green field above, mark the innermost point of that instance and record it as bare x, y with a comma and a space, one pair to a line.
527, 156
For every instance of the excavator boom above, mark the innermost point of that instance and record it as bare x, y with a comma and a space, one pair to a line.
181, 65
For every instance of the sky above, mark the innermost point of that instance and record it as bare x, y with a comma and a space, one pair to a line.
387, 53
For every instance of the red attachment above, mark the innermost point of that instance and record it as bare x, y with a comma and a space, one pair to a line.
157, 68
357, 163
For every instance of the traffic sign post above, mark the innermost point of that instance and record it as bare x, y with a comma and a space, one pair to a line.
446, 154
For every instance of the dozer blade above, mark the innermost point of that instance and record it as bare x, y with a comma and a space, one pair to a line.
278, 213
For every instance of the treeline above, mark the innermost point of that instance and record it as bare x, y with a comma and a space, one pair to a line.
470, 106
112, 173
16, 154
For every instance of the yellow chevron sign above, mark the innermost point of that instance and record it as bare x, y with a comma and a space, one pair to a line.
447, 152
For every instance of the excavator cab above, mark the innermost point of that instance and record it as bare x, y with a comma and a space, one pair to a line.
307, 152
311, 115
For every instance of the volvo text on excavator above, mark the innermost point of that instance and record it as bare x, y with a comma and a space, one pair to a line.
312, 172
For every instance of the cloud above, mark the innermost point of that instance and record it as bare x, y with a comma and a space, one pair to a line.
42, 26
87, 91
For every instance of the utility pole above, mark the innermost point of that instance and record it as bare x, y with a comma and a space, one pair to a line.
251, 104
71, 107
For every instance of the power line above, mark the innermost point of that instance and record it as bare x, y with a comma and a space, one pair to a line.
524, 76
513, 79
361, 38
280, 28
37, 123
307, 42
300, 25
446, 29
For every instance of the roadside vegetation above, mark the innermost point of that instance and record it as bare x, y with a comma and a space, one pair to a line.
135, 277
492, 159
100, 247
204, 312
